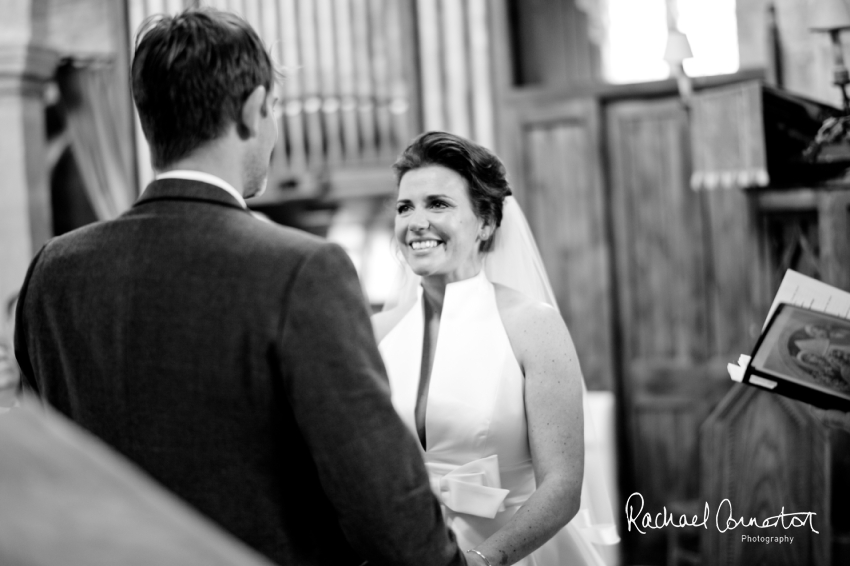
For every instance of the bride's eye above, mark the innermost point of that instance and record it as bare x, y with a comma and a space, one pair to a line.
439, 204
402, 208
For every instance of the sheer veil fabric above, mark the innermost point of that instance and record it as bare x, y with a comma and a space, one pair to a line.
515, 262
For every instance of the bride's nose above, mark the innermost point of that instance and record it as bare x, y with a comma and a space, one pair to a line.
418, 222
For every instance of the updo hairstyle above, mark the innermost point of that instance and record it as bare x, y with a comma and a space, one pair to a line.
483, 171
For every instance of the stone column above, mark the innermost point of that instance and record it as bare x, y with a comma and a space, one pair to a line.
25, 67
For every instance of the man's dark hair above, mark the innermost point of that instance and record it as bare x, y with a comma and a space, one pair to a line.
191, 76
484, 172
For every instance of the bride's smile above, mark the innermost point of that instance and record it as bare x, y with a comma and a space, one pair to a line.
424, 245
436, 225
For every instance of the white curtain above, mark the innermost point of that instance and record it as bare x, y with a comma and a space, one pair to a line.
98, 139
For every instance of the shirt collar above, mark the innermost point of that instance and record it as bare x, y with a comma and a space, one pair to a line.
204, 178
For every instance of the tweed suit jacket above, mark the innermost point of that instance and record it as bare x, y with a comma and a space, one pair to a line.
233, 360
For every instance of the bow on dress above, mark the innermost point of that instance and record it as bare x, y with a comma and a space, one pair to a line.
474, 488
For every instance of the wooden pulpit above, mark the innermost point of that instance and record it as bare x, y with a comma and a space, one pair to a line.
763, 455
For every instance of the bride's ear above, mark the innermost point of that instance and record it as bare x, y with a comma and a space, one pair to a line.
486, 230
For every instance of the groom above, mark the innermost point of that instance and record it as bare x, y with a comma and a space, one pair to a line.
230, 358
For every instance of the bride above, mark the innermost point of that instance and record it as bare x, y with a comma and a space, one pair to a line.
483, 373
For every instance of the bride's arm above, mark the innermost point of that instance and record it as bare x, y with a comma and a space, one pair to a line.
553, 401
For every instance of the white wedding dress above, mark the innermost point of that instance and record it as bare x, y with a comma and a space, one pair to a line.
477, 453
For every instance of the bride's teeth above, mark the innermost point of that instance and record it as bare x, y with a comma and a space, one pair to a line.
423, 245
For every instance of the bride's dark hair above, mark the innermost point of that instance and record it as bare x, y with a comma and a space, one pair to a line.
483, 171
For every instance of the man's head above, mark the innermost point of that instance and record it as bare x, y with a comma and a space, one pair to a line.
195, 76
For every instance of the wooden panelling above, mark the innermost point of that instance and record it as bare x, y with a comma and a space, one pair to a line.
661, 264
551, 44
658, 233
738, 284
562, 193
833, 221
766, 455
670, 401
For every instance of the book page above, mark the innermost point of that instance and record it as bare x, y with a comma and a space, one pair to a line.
803, 291
798, 289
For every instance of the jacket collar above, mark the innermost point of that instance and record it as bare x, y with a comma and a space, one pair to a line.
183, 189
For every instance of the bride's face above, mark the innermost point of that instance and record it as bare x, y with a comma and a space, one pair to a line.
436, 226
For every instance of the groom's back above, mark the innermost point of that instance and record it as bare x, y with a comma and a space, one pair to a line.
158, 332
231, 359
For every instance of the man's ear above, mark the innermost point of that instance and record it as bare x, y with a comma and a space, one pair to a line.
252, 112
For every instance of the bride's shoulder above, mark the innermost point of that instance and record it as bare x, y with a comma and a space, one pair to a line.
528, 323
522, 309
384, 321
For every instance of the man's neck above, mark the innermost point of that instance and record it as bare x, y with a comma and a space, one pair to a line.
211, 162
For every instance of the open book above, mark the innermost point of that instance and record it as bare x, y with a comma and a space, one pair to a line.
804, 348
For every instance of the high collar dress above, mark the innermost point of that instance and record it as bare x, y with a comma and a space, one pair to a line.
477, 453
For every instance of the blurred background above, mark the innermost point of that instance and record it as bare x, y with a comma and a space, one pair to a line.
674, 158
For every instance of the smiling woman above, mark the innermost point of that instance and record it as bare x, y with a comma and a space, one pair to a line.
436, 226
485, 376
